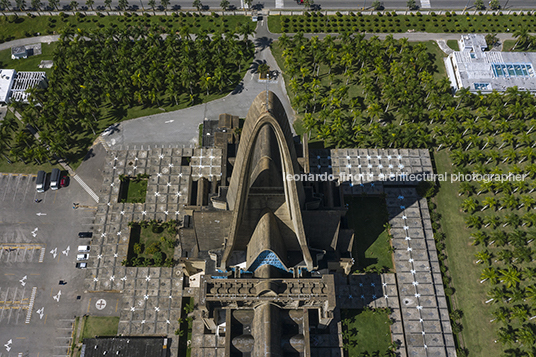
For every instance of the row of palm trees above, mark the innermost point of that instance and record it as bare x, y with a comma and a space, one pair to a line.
99, 74
353, 92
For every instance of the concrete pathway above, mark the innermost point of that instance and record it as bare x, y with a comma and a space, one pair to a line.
28, 41
444, 47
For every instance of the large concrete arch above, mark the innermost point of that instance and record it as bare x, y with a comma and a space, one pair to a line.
266, 110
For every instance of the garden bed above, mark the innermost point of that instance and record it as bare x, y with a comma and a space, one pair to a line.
151, 243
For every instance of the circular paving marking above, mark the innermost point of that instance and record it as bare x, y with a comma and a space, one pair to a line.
100, 304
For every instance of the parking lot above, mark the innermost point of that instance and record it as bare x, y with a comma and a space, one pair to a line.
38, 247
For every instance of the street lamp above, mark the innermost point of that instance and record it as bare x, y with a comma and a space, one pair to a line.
364, 4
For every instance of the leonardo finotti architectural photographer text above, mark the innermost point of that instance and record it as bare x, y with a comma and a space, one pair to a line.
370, 177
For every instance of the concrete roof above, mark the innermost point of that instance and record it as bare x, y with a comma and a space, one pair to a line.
486, 71
6, 82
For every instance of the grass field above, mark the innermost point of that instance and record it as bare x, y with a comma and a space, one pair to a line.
453, 44
31, 63
99, 326
25, 26
508, 45
366, 331
478, 334
133, 190
367, 217
385, 23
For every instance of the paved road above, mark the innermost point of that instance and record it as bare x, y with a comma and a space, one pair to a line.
324, 4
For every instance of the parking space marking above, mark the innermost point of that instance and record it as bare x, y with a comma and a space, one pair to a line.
6, 186
30, 306
27, 187
16, 187
42, 256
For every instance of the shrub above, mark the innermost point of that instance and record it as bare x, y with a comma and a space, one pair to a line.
153, 248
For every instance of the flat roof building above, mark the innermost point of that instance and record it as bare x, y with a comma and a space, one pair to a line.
477, 70
13, 84
7, 76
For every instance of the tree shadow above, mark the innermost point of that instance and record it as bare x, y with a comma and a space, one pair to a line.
238, 89
263, 42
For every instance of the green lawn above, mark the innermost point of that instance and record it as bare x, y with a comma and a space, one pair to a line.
25, 26
453, 44
508, 45
133, 190
385, 23
31, 63
367, 217
478, 334
366, 331
99, 326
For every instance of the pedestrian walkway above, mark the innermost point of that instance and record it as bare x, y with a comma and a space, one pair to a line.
444, 47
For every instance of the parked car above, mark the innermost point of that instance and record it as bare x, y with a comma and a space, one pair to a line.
83, 248
85, 234
80, 257
81, 265
64, 181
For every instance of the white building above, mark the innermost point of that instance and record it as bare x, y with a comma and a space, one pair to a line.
7, 76
477, 70
13, 84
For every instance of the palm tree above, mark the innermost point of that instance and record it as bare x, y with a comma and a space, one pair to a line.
152, 5
123, 5
36, 4
53, 4
165, 4
510, 276
526, 335
483, 256
473, 222
469, 205
108, 4
73, 5
90, 3
5, 4
21, 4
502, 314
523, 37
197, 4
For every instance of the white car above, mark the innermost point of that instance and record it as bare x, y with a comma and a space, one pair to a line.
83, 248
81, 257
81, 265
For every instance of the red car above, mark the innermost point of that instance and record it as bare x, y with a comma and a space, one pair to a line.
63, 181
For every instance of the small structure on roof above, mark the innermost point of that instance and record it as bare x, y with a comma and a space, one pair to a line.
19, 52
478, 70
